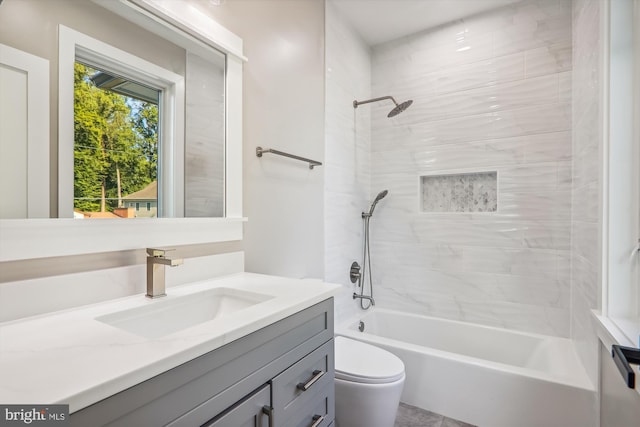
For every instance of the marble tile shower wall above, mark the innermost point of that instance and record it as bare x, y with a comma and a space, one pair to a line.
491, 92
347, 152
204, 133
585, 256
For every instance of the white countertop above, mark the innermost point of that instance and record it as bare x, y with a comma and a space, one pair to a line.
69, 357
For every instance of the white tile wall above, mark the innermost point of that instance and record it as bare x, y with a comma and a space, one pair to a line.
587, 83
492, 92
347, 152
204, 134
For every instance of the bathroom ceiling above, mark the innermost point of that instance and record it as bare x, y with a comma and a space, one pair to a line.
379, 21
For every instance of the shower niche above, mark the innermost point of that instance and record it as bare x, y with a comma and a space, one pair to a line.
459, 192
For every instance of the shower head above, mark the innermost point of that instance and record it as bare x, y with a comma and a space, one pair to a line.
399, 108
381, 195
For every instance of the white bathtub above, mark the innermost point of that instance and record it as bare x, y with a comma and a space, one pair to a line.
486, 376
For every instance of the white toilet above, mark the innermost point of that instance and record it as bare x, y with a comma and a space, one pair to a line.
369, 383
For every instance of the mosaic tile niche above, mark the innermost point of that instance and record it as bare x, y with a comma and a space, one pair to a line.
467, 192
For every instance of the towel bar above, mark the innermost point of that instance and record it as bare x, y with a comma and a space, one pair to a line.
260, 151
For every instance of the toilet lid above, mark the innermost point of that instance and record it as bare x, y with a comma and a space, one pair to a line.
363, 363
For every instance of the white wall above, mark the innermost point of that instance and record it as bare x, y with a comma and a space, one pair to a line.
491, 93
586, 177
347, 153
79, 280
283, 109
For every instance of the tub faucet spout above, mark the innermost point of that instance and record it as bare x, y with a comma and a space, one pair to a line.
370, 299
156, 260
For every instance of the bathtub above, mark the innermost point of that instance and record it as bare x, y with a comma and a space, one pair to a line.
486, 376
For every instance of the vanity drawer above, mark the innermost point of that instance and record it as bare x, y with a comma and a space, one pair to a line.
317, 413
249, 412
300, 386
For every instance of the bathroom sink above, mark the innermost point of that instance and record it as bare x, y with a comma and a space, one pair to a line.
161, 317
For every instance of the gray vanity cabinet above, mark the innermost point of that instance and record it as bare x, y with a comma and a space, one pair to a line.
281, 375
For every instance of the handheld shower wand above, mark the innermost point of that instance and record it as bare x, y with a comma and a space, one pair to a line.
381, 195
366, 258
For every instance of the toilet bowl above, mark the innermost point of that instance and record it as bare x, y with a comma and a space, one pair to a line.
368, 382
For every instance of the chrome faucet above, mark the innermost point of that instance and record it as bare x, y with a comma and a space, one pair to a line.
370, 299
156, 260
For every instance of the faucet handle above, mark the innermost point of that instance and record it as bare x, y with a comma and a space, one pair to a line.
158, 253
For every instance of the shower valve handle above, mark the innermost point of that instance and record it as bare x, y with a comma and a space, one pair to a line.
354, 272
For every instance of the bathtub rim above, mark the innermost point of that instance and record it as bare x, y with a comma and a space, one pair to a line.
348, 328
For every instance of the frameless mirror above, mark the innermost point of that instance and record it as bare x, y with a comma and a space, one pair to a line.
125, 149
193, 65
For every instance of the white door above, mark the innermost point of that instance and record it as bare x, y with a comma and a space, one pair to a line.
24, 135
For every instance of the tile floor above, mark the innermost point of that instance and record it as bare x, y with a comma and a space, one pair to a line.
410, 416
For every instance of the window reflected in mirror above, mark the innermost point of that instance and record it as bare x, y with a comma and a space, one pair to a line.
115, 146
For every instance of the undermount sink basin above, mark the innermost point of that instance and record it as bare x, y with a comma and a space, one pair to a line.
171, 314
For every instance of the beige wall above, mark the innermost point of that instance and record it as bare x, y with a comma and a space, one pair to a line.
283, 109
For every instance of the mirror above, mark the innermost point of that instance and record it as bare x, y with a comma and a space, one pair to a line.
186, 48
190, 149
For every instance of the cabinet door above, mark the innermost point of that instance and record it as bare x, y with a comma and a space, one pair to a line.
247, 413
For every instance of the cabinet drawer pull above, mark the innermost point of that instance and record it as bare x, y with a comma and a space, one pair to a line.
268, 411
317, 374
317, 420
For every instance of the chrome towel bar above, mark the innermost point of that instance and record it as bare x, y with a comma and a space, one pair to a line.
312, 163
